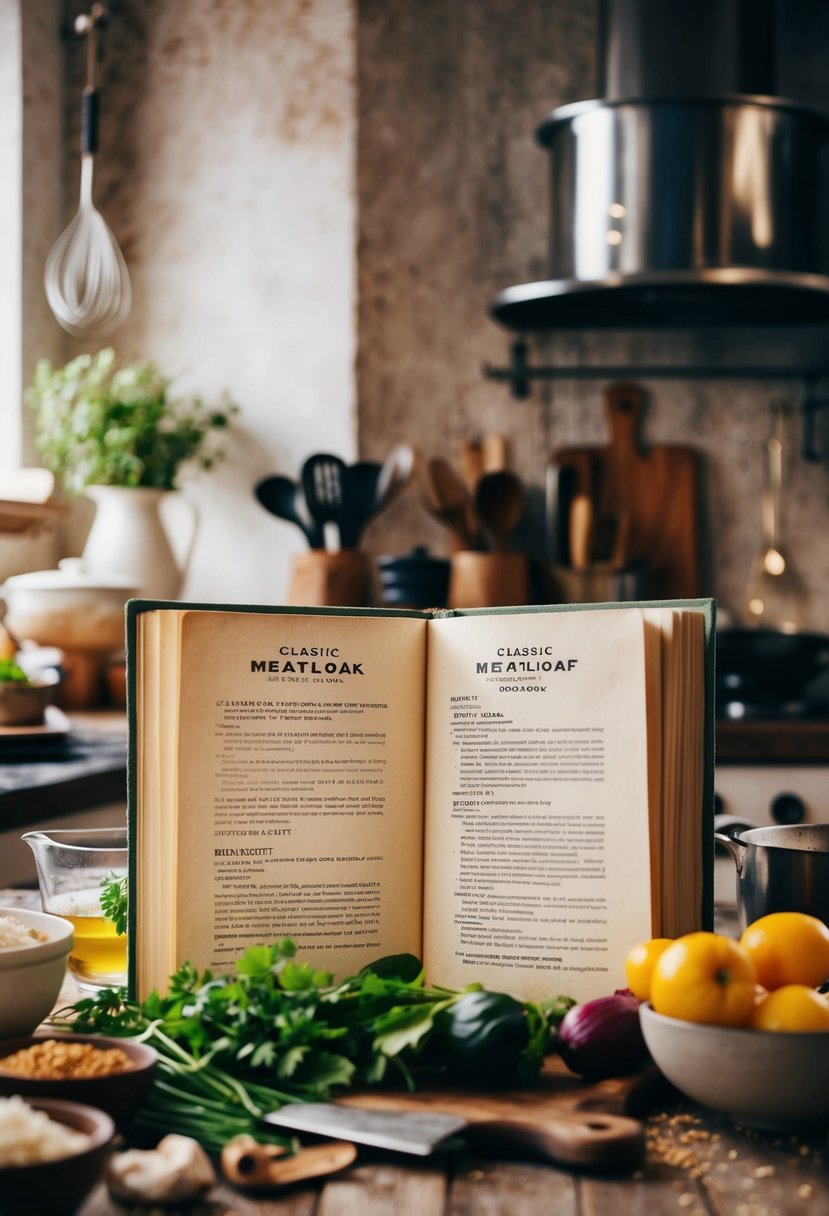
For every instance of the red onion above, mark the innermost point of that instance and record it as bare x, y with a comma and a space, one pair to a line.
603, 1038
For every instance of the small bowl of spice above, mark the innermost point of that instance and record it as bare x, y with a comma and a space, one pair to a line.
110, 1073
34, 947
51, 1155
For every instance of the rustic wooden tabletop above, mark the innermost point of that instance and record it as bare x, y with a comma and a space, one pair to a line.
697, 1165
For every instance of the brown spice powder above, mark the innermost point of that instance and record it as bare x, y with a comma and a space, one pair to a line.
56, 1059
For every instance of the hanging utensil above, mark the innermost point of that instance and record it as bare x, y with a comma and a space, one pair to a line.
86, 278
774, 594
323, 478
284, 498
499, 505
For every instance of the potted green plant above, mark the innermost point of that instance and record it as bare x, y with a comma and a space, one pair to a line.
117, 435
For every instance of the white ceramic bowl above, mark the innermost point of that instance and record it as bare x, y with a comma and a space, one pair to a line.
31, 976
68, 607
759, 1078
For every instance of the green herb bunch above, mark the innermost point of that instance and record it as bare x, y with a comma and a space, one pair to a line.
232, 1047
98, 424
115, 901
12, 673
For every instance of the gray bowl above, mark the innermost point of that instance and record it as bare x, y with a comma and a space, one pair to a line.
760, 1078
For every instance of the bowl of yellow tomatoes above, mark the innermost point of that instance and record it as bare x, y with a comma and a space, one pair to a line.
742, 1026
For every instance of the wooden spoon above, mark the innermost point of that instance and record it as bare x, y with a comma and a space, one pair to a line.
447, 500
499, 503
257, 1167
471, 463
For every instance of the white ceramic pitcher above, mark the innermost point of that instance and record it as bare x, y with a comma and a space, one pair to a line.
129, 536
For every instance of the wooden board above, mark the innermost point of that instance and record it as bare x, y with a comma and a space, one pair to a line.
21, 516
655, 489
566, 1119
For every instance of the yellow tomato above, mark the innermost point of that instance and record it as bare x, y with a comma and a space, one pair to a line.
704, 977
788, 948
640, 963
792, 1007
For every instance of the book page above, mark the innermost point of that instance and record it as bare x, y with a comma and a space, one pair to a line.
299, 786
537, 843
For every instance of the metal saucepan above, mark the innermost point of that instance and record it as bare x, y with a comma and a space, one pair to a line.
780, 869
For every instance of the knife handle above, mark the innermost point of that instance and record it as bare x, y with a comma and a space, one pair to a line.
586, 1140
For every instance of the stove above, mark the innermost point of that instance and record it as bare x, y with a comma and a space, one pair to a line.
758, 708
772, 770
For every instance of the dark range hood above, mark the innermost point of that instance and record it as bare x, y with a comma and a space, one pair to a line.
688, 194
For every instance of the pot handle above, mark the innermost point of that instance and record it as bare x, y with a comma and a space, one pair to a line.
735, 847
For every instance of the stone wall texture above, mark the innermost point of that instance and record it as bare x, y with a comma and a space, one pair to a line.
453, 207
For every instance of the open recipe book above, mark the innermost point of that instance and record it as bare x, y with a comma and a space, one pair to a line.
514, 795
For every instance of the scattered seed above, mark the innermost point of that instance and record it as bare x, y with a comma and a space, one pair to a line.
805, 1191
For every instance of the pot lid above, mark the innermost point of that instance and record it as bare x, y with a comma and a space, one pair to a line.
72, 574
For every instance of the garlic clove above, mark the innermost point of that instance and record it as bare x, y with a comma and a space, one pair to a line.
176, 1169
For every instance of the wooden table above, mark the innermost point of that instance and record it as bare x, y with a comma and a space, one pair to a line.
697, 1165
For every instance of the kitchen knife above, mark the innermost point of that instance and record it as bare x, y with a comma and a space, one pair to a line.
576, 1138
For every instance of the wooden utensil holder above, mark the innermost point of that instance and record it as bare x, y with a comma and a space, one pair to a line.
488, 580
599, 584
321, 579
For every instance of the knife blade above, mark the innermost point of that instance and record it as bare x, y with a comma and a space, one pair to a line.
416, 1132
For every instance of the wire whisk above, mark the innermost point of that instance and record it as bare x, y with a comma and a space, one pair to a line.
86, 278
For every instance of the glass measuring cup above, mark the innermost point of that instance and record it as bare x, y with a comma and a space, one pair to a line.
71, 866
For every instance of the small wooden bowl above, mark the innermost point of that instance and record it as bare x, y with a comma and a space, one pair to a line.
120, 1094
25, 704
57, 1188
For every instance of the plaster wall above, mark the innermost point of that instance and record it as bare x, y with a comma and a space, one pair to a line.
226, 171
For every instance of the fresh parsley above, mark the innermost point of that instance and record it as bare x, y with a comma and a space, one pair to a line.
114, 901
275, 1030
12, 673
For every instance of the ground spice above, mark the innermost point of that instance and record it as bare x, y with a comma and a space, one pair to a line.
57, 1059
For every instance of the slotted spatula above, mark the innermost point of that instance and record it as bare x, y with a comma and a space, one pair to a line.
323, 479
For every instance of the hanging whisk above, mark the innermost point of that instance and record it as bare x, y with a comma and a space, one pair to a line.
86, 279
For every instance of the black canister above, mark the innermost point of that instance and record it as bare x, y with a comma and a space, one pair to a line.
415, 580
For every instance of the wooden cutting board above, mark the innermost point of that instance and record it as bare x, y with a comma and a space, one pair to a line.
576, 1123
655, 489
